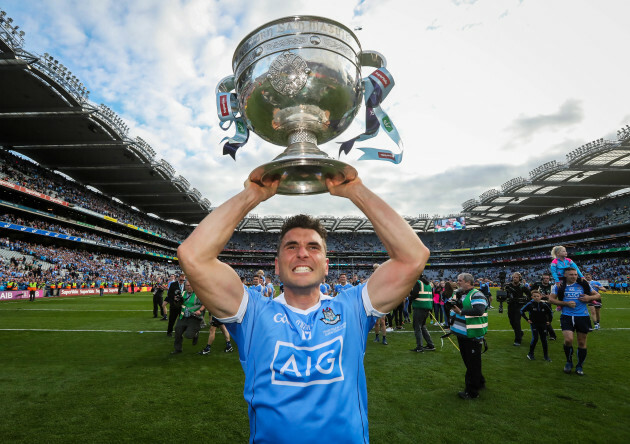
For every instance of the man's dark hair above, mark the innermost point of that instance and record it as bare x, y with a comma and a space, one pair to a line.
302, 221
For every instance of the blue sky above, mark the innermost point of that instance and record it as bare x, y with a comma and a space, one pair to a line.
485, 90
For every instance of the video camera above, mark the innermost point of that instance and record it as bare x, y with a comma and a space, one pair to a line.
502, 296
455, 301
177, 297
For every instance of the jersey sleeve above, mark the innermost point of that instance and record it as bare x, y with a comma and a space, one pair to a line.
241, 324
554, 271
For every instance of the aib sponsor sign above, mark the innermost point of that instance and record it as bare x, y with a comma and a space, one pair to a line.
19, 294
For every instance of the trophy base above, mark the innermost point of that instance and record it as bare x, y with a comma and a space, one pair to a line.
303, 169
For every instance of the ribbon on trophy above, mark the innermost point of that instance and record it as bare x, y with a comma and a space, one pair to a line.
227, 109
376, 87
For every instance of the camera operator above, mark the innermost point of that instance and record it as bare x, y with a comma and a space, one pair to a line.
470, 325
189, 321
517, 296
173, 297
544, 286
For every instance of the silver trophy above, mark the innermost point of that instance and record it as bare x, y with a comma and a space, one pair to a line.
298, 84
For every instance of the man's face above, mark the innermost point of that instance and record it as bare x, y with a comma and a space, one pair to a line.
301, 261
181, 278
516, 278
464, 285
588, 277
256, 280
545, 279
571, 276
343, 279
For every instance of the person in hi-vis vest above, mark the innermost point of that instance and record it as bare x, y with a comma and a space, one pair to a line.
422, 303
32, 290
470, 326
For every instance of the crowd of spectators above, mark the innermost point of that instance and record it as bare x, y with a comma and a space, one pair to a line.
50, 263
529, 260
103, 239
29, 175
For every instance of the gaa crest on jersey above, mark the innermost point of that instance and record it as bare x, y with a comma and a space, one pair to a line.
330, 317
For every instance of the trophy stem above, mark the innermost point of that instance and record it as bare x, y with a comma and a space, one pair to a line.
303, 168
302, 143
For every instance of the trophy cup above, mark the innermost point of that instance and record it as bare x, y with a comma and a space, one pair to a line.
297, 83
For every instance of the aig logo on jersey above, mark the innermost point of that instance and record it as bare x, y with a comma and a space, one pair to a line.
304, 366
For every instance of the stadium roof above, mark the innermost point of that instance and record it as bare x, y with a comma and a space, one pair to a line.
594, 170
45, 115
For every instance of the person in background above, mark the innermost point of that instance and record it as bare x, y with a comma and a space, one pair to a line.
573, 299
594, 307
421, 302
538, 316
470, 324
189, 321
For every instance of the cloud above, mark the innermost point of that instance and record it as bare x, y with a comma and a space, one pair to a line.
525, 127
475, 107
433, 26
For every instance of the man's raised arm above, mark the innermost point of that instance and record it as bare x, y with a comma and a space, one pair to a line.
217, 285
393, 280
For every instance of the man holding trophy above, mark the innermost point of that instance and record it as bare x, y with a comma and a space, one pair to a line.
302, 352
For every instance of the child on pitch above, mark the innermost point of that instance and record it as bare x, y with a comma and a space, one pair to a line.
540, 316
560, 263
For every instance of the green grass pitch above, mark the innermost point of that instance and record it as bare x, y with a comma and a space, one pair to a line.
91, 369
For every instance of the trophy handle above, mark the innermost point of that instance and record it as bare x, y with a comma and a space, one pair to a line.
372, 58
226, 84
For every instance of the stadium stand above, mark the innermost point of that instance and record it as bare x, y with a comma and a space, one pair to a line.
65, 218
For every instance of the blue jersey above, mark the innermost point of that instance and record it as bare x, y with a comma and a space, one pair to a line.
339, 288
271, 290
304, 375
259, 288
572, 293
596, 285
324, 288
